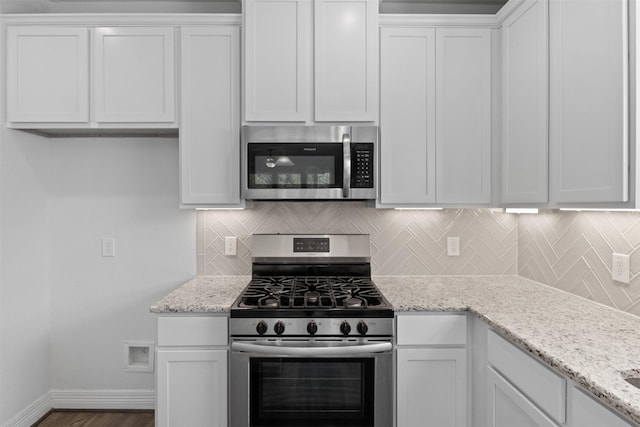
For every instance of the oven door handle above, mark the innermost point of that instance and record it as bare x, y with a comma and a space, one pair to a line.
311, 351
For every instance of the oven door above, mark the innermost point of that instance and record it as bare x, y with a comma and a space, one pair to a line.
322, 383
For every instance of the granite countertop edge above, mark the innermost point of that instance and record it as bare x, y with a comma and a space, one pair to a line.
551, 325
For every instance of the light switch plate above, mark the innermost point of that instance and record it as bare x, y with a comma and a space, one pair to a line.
231, 246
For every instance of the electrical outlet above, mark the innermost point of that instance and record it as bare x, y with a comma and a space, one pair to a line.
620, 268
231, 246
453, 246
108, 247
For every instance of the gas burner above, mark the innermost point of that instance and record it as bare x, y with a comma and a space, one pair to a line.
355, 302
312, 297
274, 288
268, 302
312, 292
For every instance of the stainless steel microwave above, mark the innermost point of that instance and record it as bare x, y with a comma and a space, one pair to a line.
309, 162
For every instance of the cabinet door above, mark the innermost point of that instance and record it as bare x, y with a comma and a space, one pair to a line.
191, 388
585, 411
431, 387
277, 48
346, 60
407, 116
47, 74
463, 115
210, 130
589, 101
526, 104
134, 74
508, 407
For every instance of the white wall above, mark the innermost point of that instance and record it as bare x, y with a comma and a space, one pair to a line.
24, 268
124, 188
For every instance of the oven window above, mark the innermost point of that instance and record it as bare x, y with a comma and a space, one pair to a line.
294, 392
294, 165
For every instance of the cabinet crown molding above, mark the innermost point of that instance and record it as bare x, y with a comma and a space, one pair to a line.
116, 19
428, 20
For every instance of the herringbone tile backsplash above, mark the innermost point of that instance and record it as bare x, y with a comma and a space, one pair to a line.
572, 251
402, 242
568, 250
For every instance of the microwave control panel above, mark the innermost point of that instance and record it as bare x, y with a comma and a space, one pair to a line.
361, 165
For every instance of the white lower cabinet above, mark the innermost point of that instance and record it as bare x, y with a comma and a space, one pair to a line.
192, 388
523, 392
191, 366
538, 384
431, 370
508, 407
586, 411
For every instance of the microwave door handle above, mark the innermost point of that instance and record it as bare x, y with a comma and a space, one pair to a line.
346, 155
312, 350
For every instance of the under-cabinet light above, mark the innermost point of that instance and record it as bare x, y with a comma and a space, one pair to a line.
418, 209
220, 209
521, 210
598, 210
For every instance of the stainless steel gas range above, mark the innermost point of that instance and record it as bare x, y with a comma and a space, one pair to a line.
311, 336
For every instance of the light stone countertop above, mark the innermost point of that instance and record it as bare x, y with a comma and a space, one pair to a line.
203, 294
587, 342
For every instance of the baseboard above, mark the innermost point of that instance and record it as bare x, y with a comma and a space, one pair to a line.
103, 399
32, 413
83, 399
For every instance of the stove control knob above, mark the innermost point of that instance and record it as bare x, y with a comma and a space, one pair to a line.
261, 327
312, 328
279, 328
345, 328
362, 328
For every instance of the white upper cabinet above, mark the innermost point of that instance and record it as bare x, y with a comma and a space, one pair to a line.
210, 129
525, 54
435, 121
63, 74
346, 60
310, 60
134, 74
408, 116
589, 101
276, 50
47, 74
463, 115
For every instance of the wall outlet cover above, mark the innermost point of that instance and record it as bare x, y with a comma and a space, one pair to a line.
620, 268
453, 246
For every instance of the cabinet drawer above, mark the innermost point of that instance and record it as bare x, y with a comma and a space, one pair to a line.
432, 329
541, 385
192, 331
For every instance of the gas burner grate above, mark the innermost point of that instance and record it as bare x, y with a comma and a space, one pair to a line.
311, 292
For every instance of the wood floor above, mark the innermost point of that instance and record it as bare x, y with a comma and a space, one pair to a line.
64, 418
